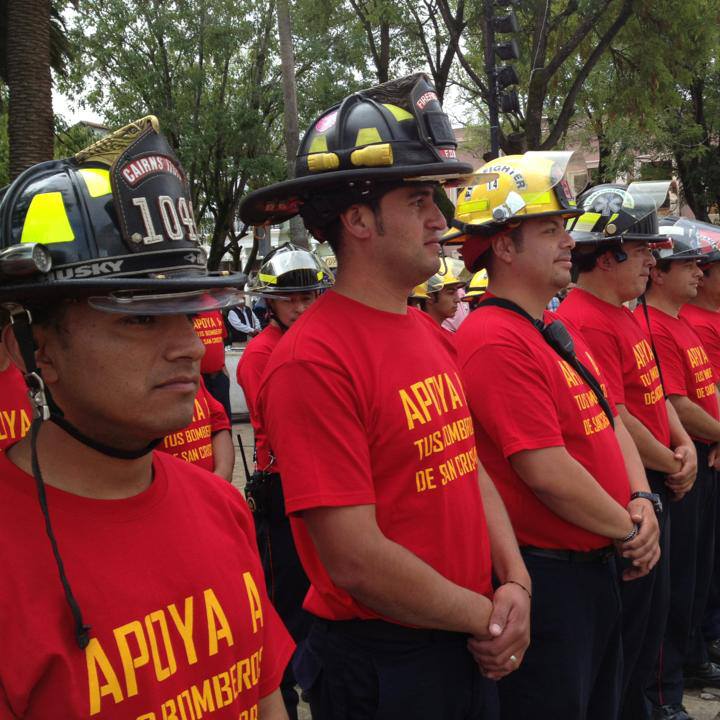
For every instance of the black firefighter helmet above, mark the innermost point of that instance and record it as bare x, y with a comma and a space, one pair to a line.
373, 139
114, 220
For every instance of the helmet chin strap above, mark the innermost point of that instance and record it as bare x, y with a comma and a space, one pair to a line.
443, 270
274, 316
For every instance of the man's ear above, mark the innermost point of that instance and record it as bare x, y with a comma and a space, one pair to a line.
10, 346
358, 221
604, 261
43, 358
503, 247
657, 276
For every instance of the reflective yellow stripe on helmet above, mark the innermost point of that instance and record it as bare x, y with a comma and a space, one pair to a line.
367, 136
318, 144
473, 206
586, 222
47, 220
272, 279
97, 181
398, 113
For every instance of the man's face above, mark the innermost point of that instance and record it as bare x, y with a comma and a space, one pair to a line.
445, 301
543, 259
630, 277
710, 282
680, 282
289, 310
408, 229
122, 379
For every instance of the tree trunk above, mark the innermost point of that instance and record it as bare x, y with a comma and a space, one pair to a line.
290, 113
30, 116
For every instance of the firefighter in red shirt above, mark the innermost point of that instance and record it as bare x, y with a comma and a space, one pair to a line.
290, 279
443, 296
612, 259
551, 441
130, 584
367, 416
703, 313
689, 382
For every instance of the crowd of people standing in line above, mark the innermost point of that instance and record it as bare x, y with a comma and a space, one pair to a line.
473, 508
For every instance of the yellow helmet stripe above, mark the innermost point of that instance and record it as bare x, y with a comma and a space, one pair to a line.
398, 113
272, 279
97, 181
586, 221
47, 220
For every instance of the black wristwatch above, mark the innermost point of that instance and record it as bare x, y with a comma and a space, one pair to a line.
654, 498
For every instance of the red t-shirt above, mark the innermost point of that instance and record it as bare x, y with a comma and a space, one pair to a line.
525, 397
169, 581
194, 442
211, 330
621, 347
250, 370
365, 407
706, 324
685, 365
15, 410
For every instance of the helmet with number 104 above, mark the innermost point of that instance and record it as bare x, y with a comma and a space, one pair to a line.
523, 187
290, 269
113, 224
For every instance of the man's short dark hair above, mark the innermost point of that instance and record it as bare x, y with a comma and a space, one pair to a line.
487, 259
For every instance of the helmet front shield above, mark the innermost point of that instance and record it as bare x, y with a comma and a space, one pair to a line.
612, 213
513, 188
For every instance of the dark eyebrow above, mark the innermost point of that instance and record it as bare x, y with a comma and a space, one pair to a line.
421, 192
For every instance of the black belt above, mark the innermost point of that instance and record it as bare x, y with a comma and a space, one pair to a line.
381, 630
601, 555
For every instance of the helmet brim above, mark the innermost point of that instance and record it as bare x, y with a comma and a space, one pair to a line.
53, 290
493, 228
281, 201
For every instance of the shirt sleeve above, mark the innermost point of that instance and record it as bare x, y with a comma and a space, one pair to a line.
218, 417
671, 364
606, 352
249, 373
278, 645
511, 398
314, 425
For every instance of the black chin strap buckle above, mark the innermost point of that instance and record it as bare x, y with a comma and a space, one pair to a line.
21, 321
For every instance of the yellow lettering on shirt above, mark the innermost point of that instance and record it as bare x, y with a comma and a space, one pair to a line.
254, 600
432, 397
571, 377
130, 661
643, 354
199, 413
102, 679
14, 424
162, 671
218, 626
184, 626
697, 356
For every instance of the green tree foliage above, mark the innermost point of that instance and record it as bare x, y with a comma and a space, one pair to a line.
207, 70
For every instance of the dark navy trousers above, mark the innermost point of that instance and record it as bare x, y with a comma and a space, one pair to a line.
285, 578
573, 667
645, 605
374, 670
692, 550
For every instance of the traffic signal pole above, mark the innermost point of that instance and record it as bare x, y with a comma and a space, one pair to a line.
493, 112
